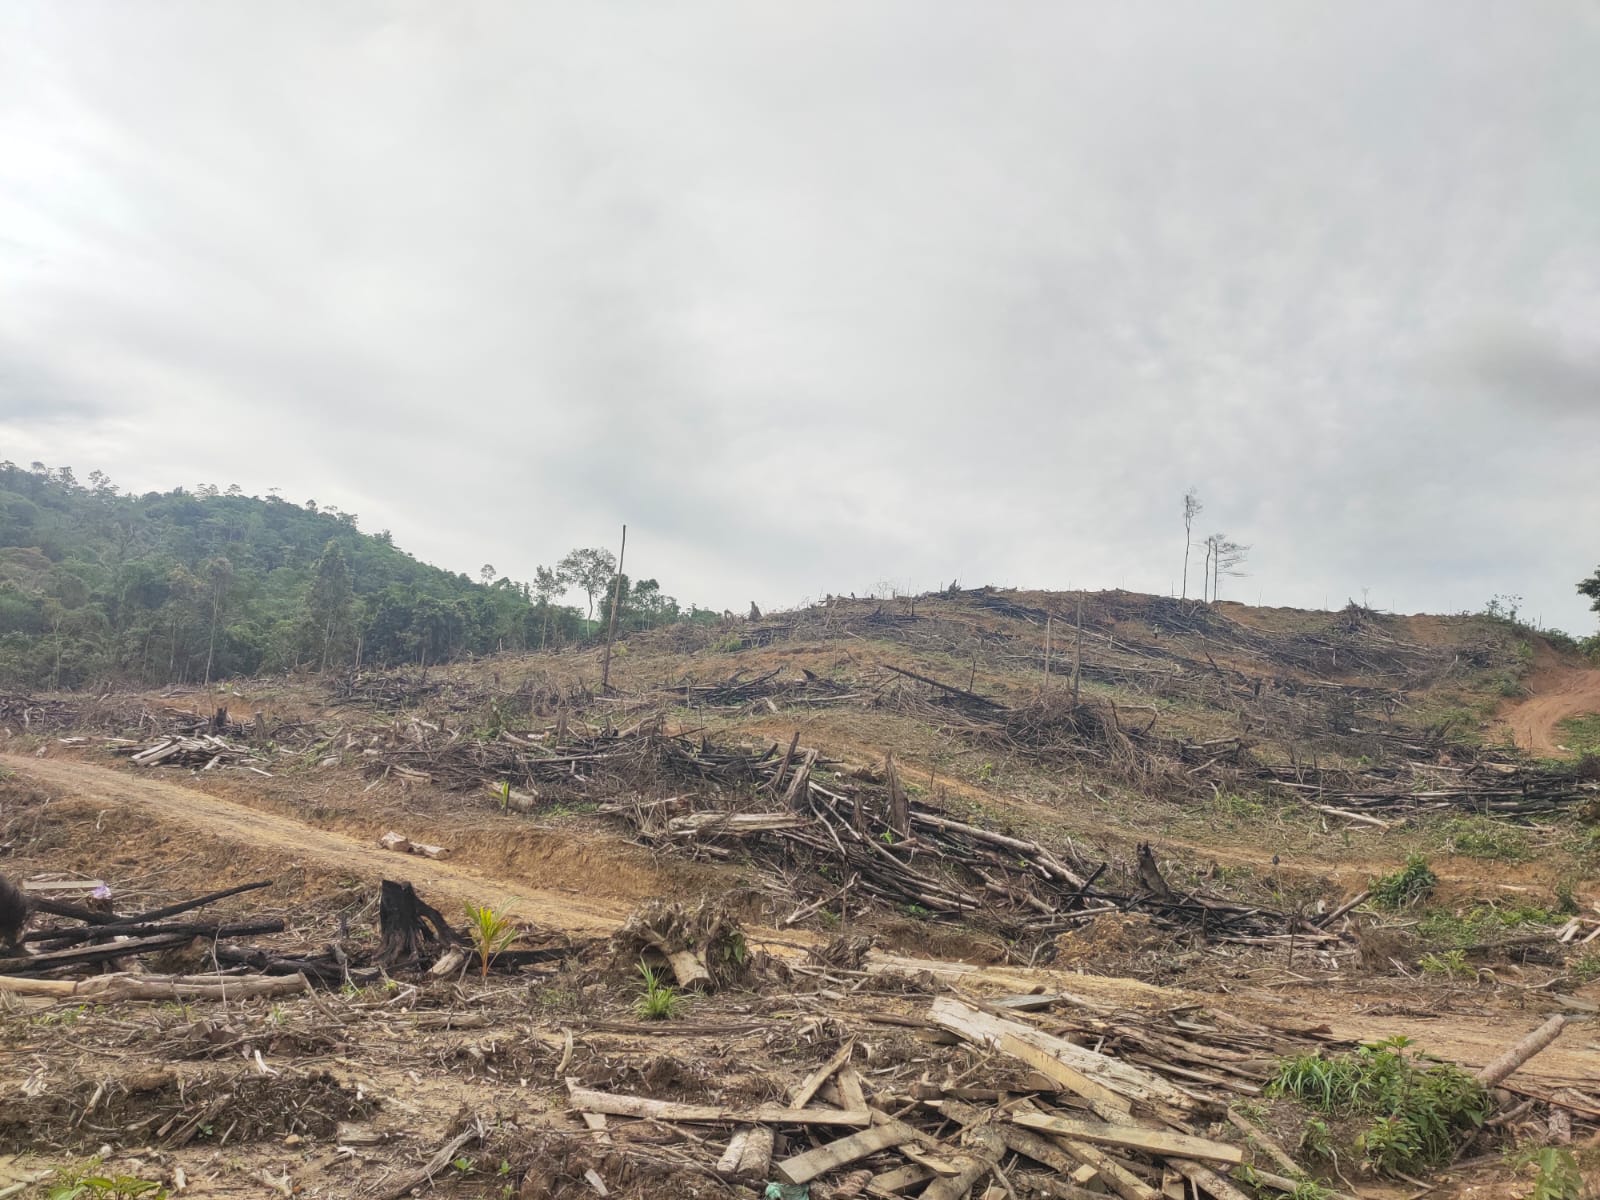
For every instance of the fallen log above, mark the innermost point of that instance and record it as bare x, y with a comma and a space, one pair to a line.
1148, 1138
33, 963
613, 1105
1520, 1053
108, 988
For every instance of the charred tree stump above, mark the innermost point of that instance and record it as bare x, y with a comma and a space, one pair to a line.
408, 925
1150, 874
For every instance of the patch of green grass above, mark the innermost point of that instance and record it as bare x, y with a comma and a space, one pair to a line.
1581, 735
1484, 837
1406, 886
658, 1000
1449, 928
1421, 1111
1451, 964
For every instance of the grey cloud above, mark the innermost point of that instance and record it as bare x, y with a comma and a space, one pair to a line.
817, 296
1533, 372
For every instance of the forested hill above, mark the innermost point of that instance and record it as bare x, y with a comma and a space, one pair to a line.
98, 586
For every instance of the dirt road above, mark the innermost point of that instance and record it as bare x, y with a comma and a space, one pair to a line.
339, 854
1556, 692
1472, 1040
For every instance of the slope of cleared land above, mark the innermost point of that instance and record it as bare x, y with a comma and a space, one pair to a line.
1276, 763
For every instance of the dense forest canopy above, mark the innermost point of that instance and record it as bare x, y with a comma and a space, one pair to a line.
100, 586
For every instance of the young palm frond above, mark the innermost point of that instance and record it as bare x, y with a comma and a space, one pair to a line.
658, 1001
490, 933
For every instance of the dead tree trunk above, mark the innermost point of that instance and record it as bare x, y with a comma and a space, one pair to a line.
408, 925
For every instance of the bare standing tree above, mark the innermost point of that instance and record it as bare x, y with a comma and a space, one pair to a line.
1191, 510
1224, 558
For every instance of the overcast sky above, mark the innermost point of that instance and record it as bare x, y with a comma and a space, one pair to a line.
819, 295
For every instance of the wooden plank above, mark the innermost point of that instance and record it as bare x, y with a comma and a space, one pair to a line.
802, 1168
1113, 1174
1109, 1084
1105, 1102
710, 1114
808, 1086
1137, 1137
852, 1095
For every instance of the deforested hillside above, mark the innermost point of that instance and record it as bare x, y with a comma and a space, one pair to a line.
810, 884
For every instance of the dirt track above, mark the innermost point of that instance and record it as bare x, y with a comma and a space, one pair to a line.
337, 853
1556, 693
1472, 1040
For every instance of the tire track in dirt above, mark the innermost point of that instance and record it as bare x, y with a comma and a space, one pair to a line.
1556, 692
441, 883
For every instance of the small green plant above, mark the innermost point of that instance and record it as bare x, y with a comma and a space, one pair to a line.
1406, 886
1420, 1112
1316, 1139
1559, 1177
490, 933
1451, 964
659, 1000
86, 1183
503, 790
463, 1163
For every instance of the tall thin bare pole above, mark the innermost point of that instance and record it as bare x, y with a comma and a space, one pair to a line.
611, 630
1077, 652
1047, 650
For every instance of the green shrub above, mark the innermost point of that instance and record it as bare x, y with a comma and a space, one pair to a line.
658, 1001
1420, 1113
1406, 886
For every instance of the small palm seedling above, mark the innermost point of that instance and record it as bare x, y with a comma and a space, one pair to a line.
658, 1001
490, 933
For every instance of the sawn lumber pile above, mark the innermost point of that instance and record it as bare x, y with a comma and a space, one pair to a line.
1063, 1098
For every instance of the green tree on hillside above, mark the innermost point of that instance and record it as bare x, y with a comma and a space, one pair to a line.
590, 570
328, 606
218, 574
1590, 587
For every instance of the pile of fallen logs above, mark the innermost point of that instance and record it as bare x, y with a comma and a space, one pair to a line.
1460, 778
62, 959
103, 939
26, 714
200, 751
844, 841
766, 690
1066, 1098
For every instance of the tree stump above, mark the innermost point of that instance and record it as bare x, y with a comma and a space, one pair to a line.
409, 926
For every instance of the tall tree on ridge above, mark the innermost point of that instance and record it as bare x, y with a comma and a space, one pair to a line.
1191, 510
